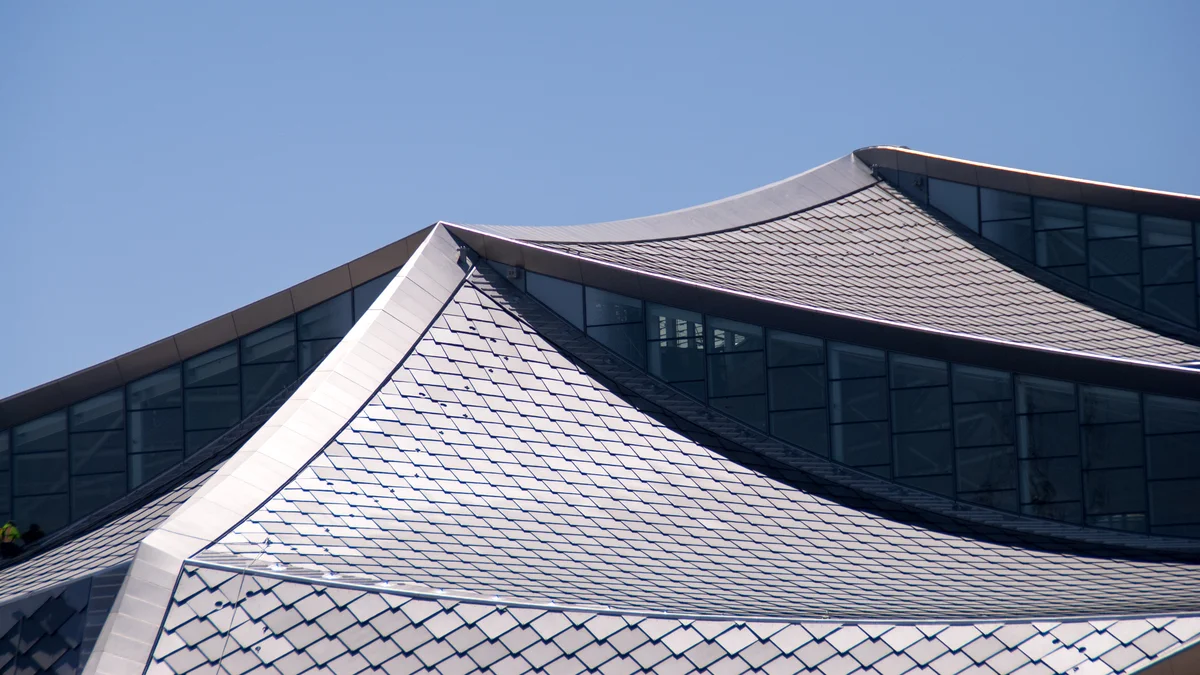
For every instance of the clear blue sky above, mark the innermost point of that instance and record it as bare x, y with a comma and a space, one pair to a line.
164, 163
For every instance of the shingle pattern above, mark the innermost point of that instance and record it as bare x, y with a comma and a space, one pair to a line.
43, 633
222, 621
875, 253
495, 464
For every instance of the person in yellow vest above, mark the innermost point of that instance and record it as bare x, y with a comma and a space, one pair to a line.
9, 538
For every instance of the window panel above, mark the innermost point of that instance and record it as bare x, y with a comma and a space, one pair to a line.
1058, 248
749, 409
849, 361
1102, 405
212, 407
1014, 235
144, 467
106, 411
365, 294
516, 278
98, 452
1168, 415
789, 349
1126, 289
1000, 205
260, 383
1075, 274
1048, 435
926, 409
1174, 456
624, 339
1053, 215
980, 384
858, 400
1176, 303
987, 469
312, 351
1158, 231
808, 429
677, 360
736, 374
1174, 265
1107, 257
1068, 512
274, 344
50, 512
664, 322
1107, 223
39, 473
44, 434
212, 368
565, 298
4, 452
942, 485
924, 454
1041, 395
914, 371
91, 493
1045, 481
155, 430
1005, 500
1130, 522
160, 390
330, 319
1115, 491
960, 202
1174, 502
733, 336
1110, 446
196, 440
861, 445
604, 308
797, 387
988, 423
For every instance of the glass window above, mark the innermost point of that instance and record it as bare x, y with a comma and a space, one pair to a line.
98, 452
91, 493
1040, 395
808, 429
1052, 215
312, 351
1102, 405
154, 430
196, 440
797, 387
1111, 446
273, 344
789, 349
1048, 435
863, 400
563, 297
1167, 415
106, 411
1000, 205
1051, 480
749, 409
914, 371
850, 361
49, 512
925, 409
736, 374
942, 485
987, 469
960, 202
1176, 303
212, 368
366, 293
980, 384
39, 473
1058, 248
44, 434
732, 336
330, 319
160, 390
924, 454
604, 308
1158, 231
1107, 223
863, 445
1115, 491
675, 353
261, 383
146, 466
1174, 456
1174, 502
987, 423
1076, 274
1005, 500
1172, 265
3, 452
514, 275
1113, 256
1014, 235
212, 407
1126, 289
663, 323
624, 339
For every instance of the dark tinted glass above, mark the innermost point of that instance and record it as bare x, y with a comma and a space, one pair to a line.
39, 473
914, 371
942, 485
564, 297
1014, 235
1176, 303
215, 367
52, 512
196, 440
1110, 446
106, 411
155, 430
1167, 415
1173, 456
1174, 502
862, 444
987, 469
1005, 500
330, 319
862, 400
664, 322
797, 387
98, 452
605, 308
212, 407
960, 202
366, 293
89, 493
737, 374
1102, 405
1048, 435
144, 467
41, 435
849, 361
1113, 256
260, 383
1107, 223
749, 409
997, 205
1040, 395
1168, 265
1051, 215
624, 339
1070, 512
926, 409
988, 423
273, 344
1075, 273
312, 351
1060, 247
924, 454
788, 349
1115, 491
1050, 480
1158, 231
980, 384
733, 336
808, 429
160, 390
677, 360
1125, 289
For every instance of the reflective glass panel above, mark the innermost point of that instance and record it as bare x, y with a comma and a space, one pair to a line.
797, 387
366, 293
1110, 446
808, 429
260, 383
312, 351
1048, 435
862, 445
1050, 480
732, 336
737, 374
924, 409
749, 409
604, 308
1176, 303
50, 512
330, 319
677, 360
1167, 415
849, 361
273, 344
624, 339
988, 423
1115, 491
1058, 248
565, 298
960, 202
1174, 502
1107, 223
789, 349
987, 469
942, 485
39, 473
195, 440
1174, 456
98, 452
664, 322
1005, 500
160, 390
212, 407
1126, 289
1158, 231
1107, 257
1051, 215
1074, 273
863, 400
3, 451
924, 454
1068, 512
914, 371
41, 435
1103, 405
90, 493
106, 411
154, 430
1039, 395
1014, 235
1172, 265
144, 467
980, 384
215, 367
1000, 205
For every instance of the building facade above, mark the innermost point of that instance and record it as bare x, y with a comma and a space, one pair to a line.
898, 414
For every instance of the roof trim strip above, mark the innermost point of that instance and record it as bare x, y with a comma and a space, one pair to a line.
825, 183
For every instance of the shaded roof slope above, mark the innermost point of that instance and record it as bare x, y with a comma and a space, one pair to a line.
494, 464
876, 254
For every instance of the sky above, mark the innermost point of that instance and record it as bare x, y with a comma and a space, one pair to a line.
164, 163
